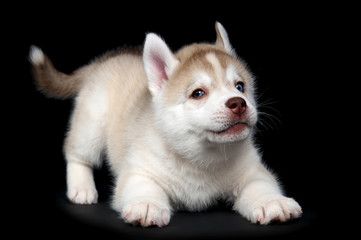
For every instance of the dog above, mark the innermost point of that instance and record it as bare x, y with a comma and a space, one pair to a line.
177, 129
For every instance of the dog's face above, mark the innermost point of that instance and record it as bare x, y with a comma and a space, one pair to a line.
212, 95
203, 92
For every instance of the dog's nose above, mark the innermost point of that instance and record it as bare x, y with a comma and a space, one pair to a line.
237, 105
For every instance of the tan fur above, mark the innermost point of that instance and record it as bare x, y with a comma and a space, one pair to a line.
54, 83
192, 58
167, 148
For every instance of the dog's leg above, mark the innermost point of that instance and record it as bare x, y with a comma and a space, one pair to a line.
141, 201
80, 184
260, 199
83, 146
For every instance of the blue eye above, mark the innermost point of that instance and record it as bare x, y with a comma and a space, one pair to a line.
197, 93
240, 86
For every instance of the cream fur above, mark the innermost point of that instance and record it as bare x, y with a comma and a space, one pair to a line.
166, 149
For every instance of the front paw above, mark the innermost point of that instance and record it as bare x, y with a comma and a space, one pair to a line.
274, 209
146, 214
83, 195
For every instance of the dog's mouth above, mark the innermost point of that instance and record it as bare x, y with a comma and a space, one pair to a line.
233, 128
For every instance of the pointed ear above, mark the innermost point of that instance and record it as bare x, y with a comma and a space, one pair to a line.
159, 62
222, 39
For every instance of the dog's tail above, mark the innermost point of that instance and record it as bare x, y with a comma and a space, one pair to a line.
49, 80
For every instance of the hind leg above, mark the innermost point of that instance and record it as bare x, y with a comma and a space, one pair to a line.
83, 147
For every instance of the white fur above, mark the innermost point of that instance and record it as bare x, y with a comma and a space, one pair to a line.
159, 62
231, 75
36, 55
81, 186
200, 80
212, 59
168, 151
223, 37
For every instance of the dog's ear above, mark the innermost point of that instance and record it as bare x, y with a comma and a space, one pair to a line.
159, 62
222, 39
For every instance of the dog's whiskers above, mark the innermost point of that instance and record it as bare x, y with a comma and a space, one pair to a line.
267, 120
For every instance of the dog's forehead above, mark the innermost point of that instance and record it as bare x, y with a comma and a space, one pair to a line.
223, 69
217, 68
205, 66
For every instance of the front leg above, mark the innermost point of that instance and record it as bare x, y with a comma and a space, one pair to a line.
260, 200
141, 201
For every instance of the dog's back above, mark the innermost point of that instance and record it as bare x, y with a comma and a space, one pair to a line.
110, 93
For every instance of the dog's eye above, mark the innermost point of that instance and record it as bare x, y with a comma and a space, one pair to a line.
197, 93
240, 86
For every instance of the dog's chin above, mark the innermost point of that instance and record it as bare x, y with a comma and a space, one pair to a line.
233, 133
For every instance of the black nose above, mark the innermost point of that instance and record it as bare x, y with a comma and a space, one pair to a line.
237, 105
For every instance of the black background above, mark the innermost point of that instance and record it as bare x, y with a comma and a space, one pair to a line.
291, 49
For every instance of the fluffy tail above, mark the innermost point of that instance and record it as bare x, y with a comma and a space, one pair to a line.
49, 80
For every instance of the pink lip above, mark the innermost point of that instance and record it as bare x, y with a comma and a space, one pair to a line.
234, 128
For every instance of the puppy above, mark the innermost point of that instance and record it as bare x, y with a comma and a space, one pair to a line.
176, 128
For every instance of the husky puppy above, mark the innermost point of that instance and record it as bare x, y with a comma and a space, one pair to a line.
176, 129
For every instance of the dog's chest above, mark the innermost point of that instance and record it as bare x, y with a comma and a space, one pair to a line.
194, 190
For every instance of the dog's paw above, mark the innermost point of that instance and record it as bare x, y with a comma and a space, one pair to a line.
80, 182
146, 214
278, 209
83, 195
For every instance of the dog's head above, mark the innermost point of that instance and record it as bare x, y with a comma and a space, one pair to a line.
201, 93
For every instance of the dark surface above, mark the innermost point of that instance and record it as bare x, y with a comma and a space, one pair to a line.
290, 49
216, 223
